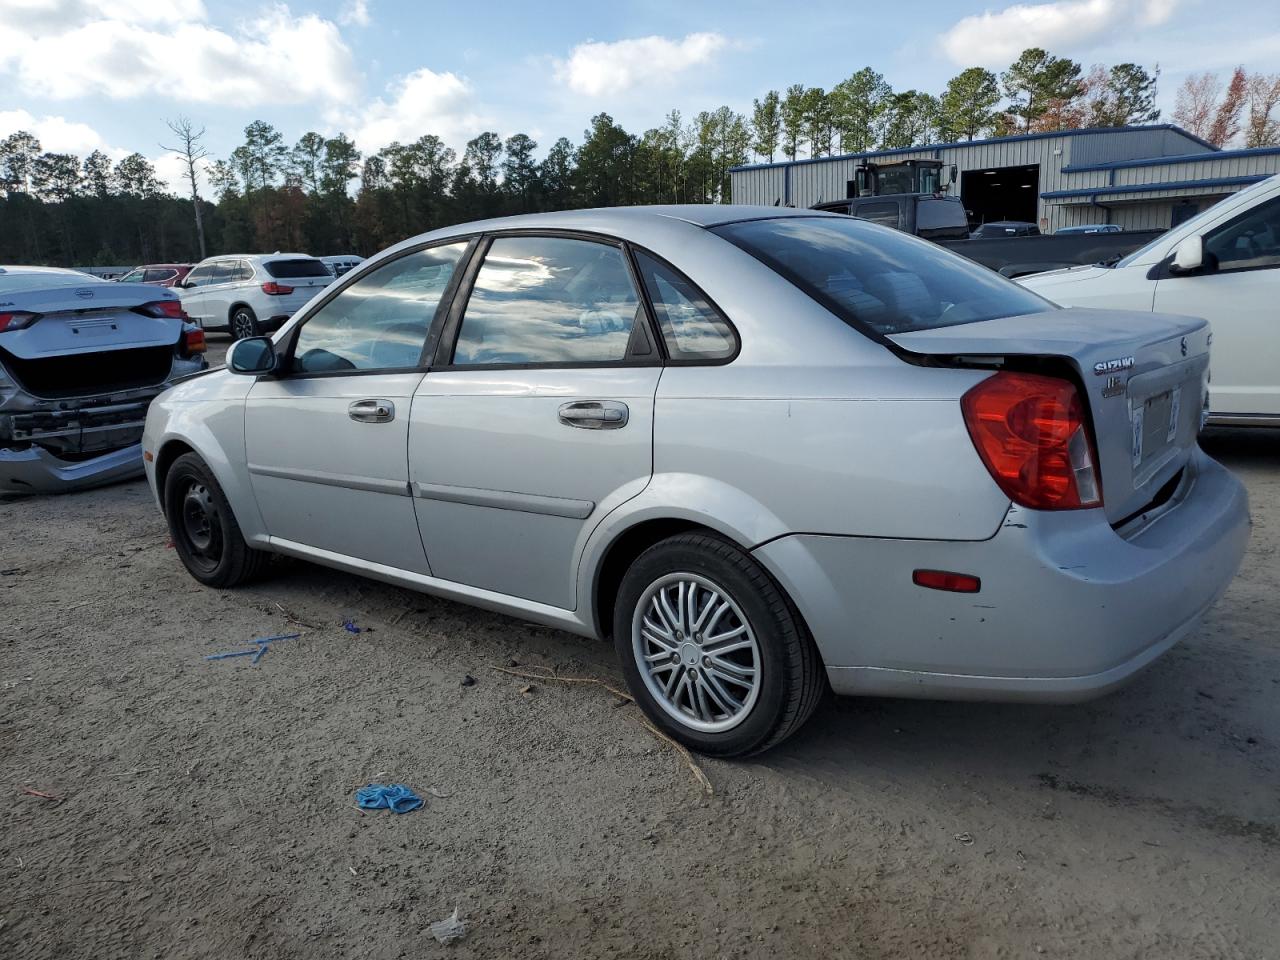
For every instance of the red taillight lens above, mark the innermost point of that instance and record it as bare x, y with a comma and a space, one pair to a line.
946, 580
17, 321
192, 342
275, 289
1030, 432
164, 308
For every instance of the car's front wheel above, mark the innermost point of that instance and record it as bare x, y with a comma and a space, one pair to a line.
712, 649
205, 533
244, 324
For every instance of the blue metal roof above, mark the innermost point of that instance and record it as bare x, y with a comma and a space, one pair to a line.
1183, 158
975, 143
1151, 187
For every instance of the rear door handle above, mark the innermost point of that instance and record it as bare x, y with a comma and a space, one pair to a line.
372, 411
595, 414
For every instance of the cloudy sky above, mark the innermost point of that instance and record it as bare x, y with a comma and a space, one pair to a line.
85, 74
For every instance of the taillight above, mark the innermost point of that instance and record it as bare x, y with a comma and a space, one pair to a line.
17, 320
1031, 433
163, 308
275, 289
192, 342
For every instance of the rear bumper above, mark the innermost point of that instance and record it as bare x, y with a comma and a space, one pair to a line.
36, 470
1068, 608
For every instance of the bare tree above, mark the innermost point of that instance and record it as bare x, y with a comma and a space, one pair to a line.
192, 152
1197, 98
1226, 122
1263, 129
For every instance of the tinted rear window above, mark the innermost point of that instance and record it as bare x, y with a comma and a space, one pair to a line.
284, 269
879, 280
937, 214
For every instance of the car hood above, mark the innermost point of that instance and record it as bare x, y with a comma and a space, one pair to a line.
1056, 278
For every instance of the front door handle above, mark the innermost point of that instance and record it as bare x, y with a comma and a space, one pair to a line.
595, 414
372, 411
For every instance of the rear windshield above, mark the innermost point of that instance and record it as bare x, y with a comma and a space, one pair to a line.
288, 269
879, 280
44, 279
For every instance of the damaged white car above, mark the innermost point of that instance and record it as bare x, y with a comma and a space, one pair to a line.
81, 359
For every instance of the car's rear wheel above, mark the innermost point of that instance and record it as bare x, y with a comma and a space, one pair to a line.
712, 649
244, 324
204, 530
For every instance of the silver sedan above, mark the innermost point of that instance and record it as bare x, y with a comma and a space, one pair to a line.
766, 451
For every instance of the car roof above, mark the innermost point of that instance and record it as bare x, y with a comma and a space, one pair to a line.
49, 270
278, 255
620, 221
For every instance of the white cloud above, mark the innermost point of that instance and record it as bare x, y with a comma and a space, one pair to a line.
93, 47
57, 134
596, 68
420, 103
355, 13
996, 38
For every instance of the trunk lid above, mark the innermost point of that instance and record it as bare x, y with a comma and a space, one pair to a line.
94, 318
1145, 377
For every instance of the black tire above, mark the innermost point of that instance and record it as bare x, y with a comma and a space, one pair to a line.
244, 323
790, 677
204, 530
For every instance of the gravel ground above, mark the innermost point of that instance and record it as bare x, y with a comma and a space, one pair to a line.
204, 808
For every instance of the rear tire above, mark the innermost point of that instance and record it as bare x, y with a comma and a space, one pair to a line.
712, 649
244, 324
204, 530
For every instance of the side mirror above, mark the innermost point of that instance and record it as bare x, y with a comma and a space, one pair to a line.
1189, 255
252, 356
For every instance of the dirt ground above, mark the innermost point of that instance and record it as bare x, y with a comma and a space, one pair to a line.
205, 808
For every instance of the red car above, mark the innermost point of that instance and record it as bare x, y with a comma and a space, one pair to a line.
158, 274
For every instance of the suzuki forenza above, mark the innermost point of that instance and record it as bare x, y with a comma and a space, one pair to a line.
766, 451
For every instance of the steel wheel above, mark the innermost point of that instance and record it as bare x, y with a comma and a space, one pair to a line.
696, 652
200, 526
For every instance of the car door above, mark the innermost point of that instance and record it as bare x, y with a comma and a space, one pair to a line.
326, 438
216, 303
192, 294
536, 419
1237, 291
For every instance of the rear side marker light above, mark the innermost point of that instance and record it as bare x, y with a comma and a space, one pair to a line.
1031, 434
18, 320
171, 309
945, 580
275, 289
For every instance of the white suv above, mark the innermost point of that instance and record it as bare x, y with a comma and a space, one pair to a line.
251, 294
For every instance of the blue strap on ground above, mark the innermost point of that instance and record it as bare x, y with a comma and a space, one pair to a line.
283, 636
396, 797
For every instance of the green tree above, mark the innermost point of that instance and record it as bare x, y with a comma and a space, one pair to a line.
1038, 84
818, 124
766, 125
556, 174
18, 153
55, 176
604, 172
136, 177
339, 165
793, 120
968, 106
223, 179
1123, 95
911, 119
520, 171
96, 174
306, 159
261, 159
858, 108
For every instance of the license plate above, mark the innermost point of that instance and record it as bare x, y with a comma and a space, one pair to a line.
1155, 425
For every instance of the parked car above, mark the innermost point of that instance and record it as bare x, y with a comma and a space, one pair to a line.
338, 265
1005, 228
157, 274
80, 360
252, 293
763, 449
1088, 228
1224, 265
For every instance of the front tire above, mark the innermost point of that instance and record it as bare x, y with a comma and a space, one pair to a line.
712, 649
244, 324
205, 533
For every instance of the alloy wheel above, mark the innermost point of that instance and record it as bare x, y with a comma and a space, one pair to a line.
696, 652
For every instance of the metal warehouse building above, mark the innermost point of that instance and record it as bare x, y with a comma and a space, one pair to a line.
1140, 178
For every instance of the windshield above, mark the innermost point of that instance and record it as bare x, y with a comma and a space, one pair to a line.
880, 280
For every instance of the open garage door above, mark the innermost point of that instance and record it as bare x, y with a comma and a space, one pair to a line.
1001, 193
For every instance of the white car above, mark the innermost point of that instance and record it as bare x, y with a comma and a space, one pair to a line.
1224, 266
340, 264
251, 293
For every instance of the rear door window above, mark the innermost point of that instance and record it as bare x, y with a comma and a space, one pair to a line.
940, 215
134, 276
294, 269
221, 272
158, 275
881, 283
549, 301
884, 213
